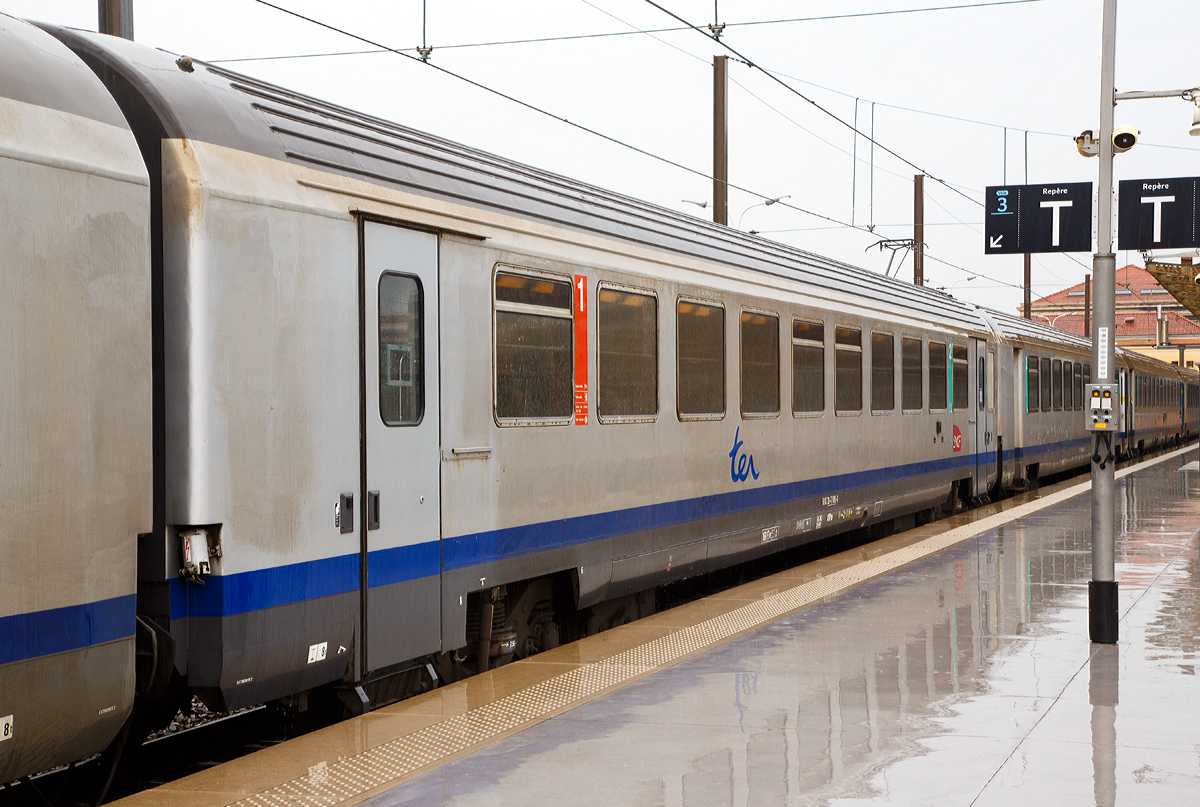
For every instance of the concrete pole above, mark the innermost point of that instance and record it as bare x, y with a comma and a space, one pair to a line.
919, 230
116, 18
1102, 589
720, 141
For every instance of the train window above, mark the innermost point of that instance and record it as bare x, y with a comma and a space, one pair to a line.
626, 354
1048, 387
1032, 387
1056, 383
401, 350
962, 390
1078, 385
883, 372
701, 363
1068, 386
808, 367
991, 390
939, 392
847, 343
533, 348
1087, 373
760, 363
910, 374
982, 376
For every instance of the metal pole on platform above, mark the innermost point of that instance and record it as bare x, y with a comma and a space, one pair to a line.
116, 17
1102, 589
919, 230
720, 140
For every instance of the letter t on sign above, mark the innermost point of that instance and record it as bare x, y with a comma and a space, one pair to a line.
1055, 229
1157, 201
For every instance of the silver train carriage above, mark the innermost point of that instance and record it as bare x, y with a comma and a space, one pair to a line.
75, 401
419, 405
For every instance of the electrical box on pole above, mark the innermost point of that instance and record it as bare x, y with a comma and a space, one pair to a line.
1101, 407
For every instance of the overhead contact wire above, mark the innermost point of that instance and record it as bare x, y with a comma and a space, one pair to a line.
547, 113
799, 94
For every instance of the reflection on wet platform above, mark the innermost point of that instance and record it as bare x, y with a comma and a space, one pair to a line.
964, 678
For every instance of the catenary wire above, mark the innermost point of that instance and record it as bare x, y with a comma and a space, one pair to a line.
609, 138
549, 114
801, 95
609, 34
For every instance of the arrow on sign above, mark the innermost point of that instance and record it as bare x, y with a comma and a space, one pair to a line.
996, 241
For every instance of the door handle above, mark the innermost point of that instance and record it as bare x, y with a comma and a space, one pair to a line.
372, 509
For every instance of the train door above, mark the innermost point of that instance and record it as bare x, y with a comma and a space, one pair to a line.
985, 417
400, 515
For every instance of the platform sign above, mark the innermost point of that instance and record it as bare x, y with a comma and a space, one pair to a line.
1038, 218
1157, 213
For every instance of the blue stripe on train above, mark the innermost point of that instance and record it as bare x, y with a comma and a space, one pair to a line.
283, 585
58, 630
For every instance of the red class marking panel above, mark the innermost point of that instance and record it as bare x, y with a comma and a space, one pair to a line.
581, 354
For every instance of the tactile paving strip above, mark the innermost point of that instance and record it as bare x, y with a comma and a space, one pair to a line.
399, 758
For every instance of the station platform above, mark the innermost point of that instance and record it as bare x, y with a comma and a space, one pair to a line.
948, 665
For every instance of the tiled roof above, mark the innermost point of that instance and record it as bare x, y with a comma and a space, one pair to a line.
1131, 277
1134, 325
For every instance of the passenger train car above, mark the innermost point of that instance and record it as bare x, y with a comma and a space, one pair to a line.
75, 401
417, 410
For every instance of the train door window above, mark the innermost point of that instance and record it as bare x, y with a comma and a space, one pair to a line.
1032, 387
1048, 387
883, 372
808, 367
962, 387
939, 391
991, 390
760, 363
847, 343
982, 376
910, 374
534, 363
1078, 386
1068, 383
401, 350
701, 360
1056, 383
626, 354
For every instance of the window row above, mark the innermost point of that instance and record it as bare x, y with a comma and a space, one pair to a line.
534, 345
1055, 385
1153, 391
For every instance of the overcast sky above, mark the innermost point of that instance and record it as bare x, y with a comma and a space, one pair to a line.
1029, 66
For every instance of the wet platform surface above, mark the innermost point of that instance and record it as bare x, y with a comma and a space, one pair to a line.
963, 678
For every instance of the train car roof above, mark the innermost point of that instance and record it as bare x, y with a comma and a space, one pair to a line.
220, 107
37, 69
1018, 329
